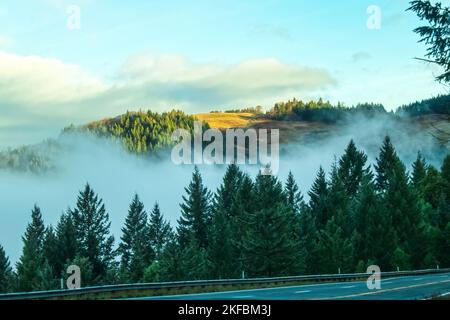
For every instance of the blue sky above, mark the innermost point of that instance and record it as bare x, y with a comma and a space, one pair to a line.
198, 56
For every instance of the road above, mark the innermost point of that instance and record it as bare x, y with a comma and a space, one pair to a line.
399, 288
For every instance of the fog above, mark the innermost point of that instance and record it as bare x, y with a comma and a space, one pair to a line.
116, 175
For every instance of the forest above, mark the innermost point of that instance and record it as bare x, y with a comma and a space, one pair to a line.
354, 216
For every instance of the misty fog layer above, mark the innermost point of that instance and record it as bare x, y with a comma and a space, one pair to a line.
116, 175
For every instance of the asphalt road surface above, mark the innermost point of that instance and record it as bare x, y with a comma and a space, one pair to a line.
399, 288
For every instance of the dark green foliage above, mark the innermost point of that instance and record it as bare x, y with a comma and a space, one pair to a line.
432, 187
66, 243
351, 168
159, 231
195, 212
419, 173
94, 241
170, 264
436, 105
318, 202
6, 273
322, 111
51, 253
436, 34
31, 262
335, 250
293, 195
135, 249
445, 174
140, 132
386, 162
269, 247
224, 243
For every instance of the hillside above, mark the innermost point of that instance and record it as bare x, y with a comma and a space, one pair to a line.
144, 132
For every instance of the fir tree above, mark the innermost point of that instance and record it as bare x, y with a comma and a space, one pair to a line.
335, 249
135, 248
195, 264
170, 263
308, 237
432, 186
220, 249
445, 174
419, 172
386, 162
402, 203
318, 202
246, 206
270, 249
293, 196
94, 241
351, 168
376, 235
66, 241
6, 273
159, 231
339, 202
32, 260
195, 212
225, 212
51, 254
225, 197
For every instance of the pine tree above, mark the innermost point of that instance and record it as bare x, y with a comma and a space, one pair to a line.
444, 248
270, 249
435, 35
32, 260
51, 254
318, 202
159, 231
432, 186
66, 241
225, 197
293, 195
170, 263
225, 211
94, 241
339, 202
195, 212
445, 174
246, 206
195, 264
403, 205
351, 168
220, 249
386, 162
308, 237
6, 273
419, 172
135, 248
335, 249
376, 235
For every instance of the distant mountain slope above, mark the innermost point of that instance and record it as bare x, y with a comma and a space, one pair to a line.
140, 132
144, 132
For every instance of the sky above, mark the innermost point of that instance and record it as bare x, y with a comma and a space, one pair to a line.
64, 62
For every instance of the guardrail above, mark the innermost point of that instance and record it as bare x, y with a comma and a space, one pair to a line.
39, 295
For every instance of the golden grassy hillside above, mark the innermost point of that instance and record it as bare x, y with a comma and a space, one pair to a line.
228, 120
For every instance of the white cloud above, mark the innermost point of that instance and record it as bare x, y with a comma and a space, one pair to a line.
30, 81
54, 93
250, 82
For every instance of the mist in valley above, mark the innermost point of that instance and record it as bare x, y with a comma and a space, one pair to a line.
117, 175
